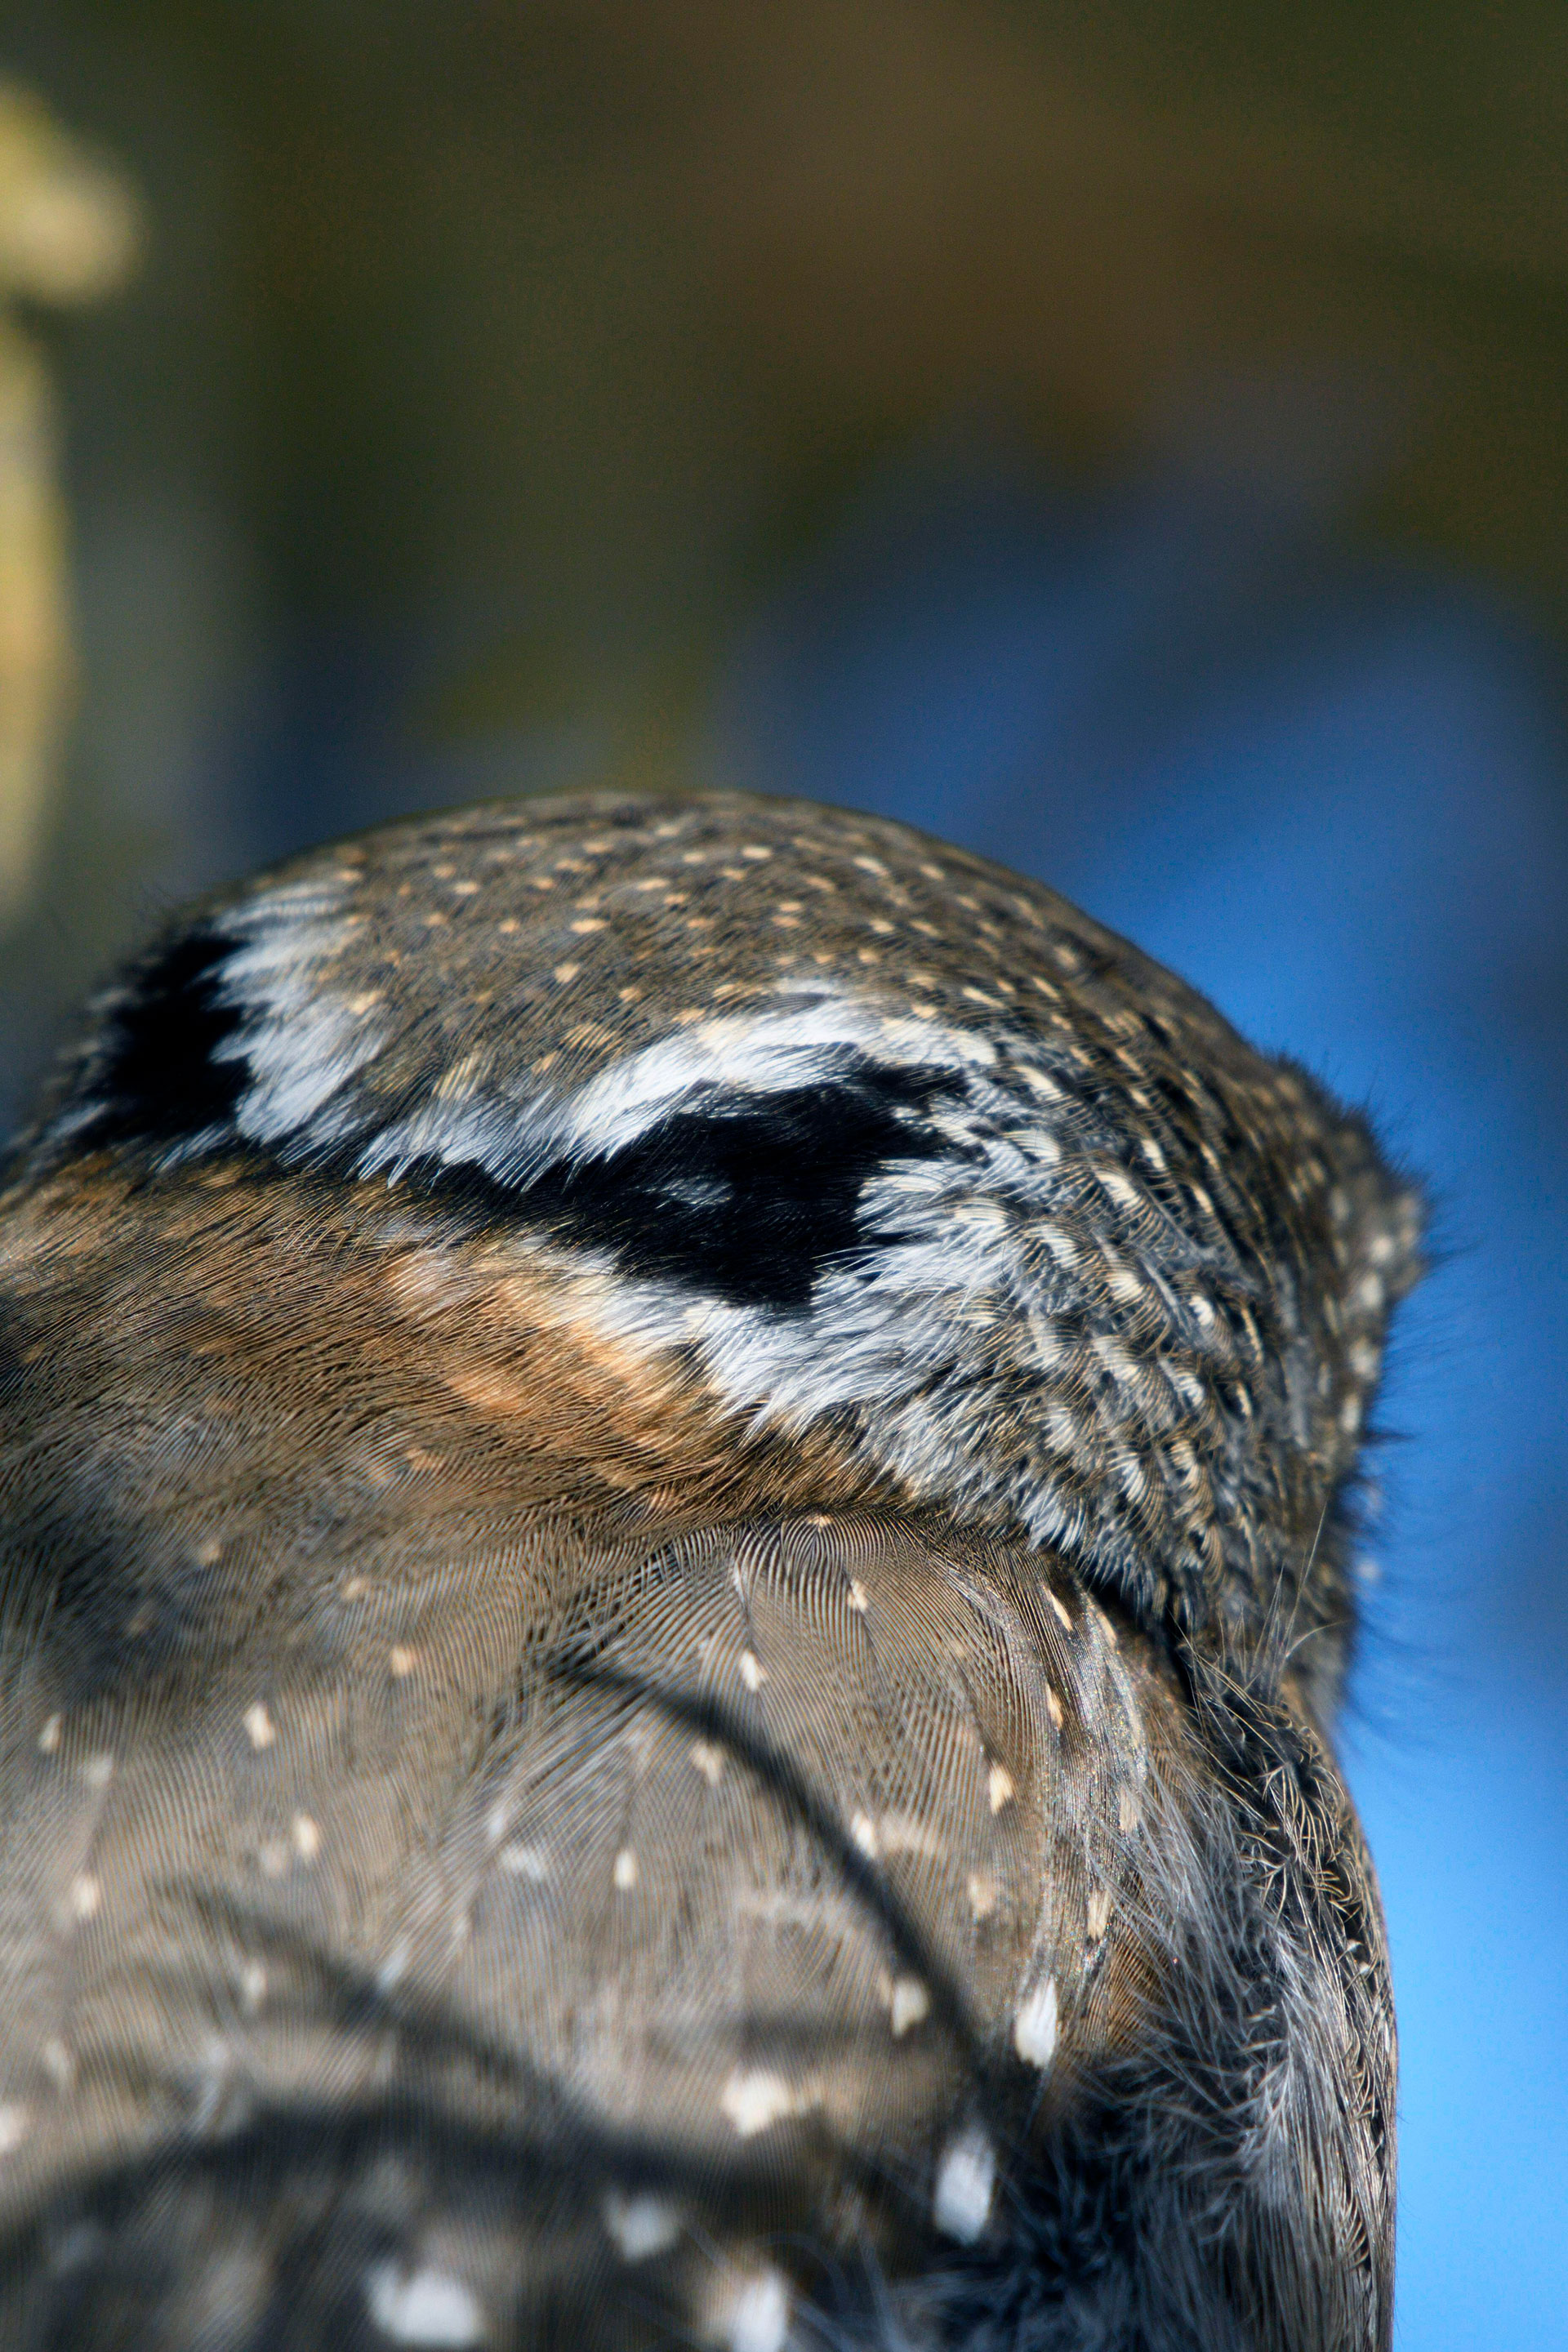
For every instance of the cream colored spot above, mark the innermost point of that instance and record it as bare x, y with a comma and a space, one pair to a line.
754, 2098
863, 1830
1035, 2026
981, 1894
901, 1834
401, 1661
999, 1786
86, 1896
1098, 1913
640, 2227
965, 2180
1061, 1609
1127, 1811
524, 1861
50, 1737
858, 1595
567, 972
60, 2064
754, 1674
209, 1553
709, 1760
456, 1084
588, 923
13, 2124
356, 1587
394, 1967
97, 1770
625, 1873
307, 1837
909, 2005
1053, 1706
258, 1726
754, 849
252, 1986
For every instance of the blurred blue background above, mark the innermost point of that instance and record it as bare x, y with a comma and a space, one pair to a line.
1130, 441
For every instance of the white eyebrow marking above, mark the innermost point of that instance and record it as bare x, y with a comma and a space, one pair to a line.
735, 1055
299, 1043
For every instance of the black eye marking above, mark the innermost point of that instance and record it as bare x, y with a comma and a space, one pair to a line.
162, 1077
747, 1200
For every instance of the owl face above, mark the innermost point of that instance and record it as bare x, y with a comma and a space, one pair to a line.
849, 1133
675, 1494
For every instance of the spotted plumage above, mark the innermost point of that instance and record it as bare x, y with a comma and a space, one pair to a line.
678, 1483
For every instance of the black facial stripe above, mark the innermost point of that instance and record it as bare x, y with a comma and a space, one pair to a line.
746, 1199
161, 1080
747, 1203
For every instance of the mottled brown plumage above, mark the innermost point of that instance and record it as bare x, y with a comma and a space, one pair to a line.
675, 1557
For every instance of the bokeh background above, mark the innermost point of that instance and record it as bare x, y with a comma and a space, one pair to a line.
1129, 440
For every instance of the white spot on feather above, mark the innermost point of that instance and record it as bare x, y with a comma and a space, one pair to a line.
754, 2098
1034, 2025
759, 2315
965, 2180
422, 2306
258, 1727
909, 2005
641, 2226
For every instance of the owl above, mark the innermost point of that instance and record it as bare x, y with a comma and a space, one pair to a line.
677, 1544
